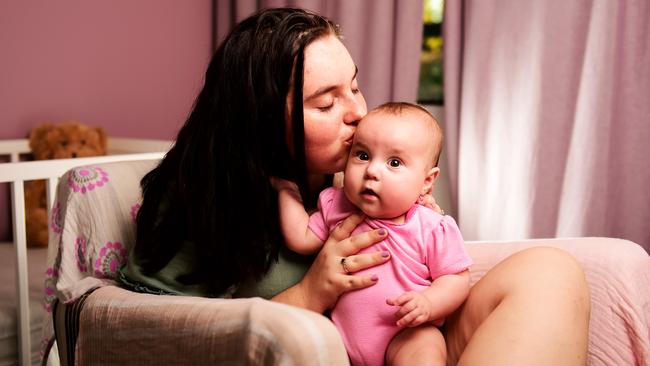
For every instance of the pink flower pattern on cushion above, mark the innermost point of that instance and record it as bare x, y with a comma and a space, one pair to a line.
85, 179
51, 276
134, 211
80, 248
56, 218
111, 257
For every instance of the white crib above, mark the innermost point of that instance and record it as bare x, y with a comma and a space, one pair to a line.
16, 172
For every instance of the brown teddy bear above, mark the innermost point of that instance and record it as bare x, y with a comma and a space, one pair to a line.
48, 141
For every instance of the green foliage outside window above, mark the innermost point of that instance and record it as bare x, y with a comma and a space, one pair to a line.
430, 89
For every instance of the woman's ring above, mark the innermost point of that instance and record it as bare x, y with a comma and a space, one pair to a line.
345, 266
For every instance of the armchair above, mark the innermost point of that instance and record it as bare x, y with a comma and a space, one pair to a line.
96, 322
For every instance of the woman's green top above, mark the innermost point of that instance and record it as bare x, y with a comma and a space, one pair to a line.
286, 272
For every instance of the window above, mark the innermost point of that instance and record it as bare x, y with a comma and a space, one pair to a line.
430, 89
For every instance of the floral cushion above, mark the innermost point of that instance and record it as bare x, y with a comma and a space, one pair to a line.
92, 227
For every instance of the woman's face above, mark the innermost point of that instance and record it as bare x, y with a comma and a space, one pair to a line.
332, 105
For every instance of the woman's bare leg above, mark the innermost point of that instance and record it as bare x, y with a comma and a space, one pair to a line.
422, 346
530, 309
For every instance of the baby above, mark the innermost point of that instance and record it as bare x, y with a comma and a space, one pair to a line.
391, 167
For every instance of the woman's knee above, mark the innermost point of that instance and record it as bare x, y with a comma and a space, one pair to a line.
552, 266
537, 288
549, 274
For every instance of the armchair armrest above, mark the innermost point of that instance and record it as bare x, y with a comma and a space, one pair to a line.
117, 326
92, 231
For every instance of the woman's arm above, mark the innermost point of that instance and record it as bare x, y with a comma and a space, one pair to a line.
326, 280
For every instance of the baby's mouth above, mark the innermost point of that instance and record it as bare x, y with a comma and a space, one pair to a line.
369, 194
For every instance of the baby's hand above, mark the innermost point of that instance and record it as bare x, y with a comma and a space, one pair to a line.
415, 309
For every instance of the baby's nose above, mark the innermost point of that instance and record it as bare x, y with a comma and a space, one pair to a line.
372, 172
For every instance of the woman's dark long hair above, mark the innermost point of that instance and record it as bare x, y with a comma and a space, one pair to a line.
212, 188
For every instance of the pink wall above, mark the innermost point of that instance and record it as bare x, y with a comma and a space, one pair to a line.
133, 67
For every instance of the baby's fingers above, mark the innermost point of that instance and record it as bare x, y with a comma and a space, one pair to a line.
400, 300
408, 308
411, 320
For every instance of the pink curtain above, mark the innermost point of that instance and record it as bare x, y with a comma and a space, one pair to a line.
384, 38
548, 117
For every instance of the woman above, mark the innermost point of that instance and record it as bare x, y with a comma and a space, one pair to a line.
281, 100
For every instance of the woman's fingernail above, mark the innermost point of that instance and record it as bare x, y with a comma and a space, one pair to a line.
374, 278
385, 254
382, 231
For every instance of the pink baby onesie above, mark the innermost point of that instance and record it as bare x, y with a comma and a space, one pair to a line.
427, 245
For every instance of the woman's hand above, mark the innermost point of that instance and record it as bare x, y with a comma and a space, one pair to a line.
429, 201
326, 279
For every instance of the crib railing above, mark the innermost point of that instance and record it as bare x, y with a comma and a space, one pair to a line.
14, 148
115, 146
17, 172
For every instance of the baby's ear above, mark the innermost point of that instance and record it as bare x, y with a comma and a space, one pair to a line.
429, 179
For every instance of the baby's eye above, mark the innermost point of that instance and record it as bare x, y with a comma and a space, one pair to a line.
83, 142
362, 155
394, 163
64, 143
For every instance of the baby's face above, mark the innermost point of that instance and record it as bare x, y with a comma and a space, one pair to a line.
390, 163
